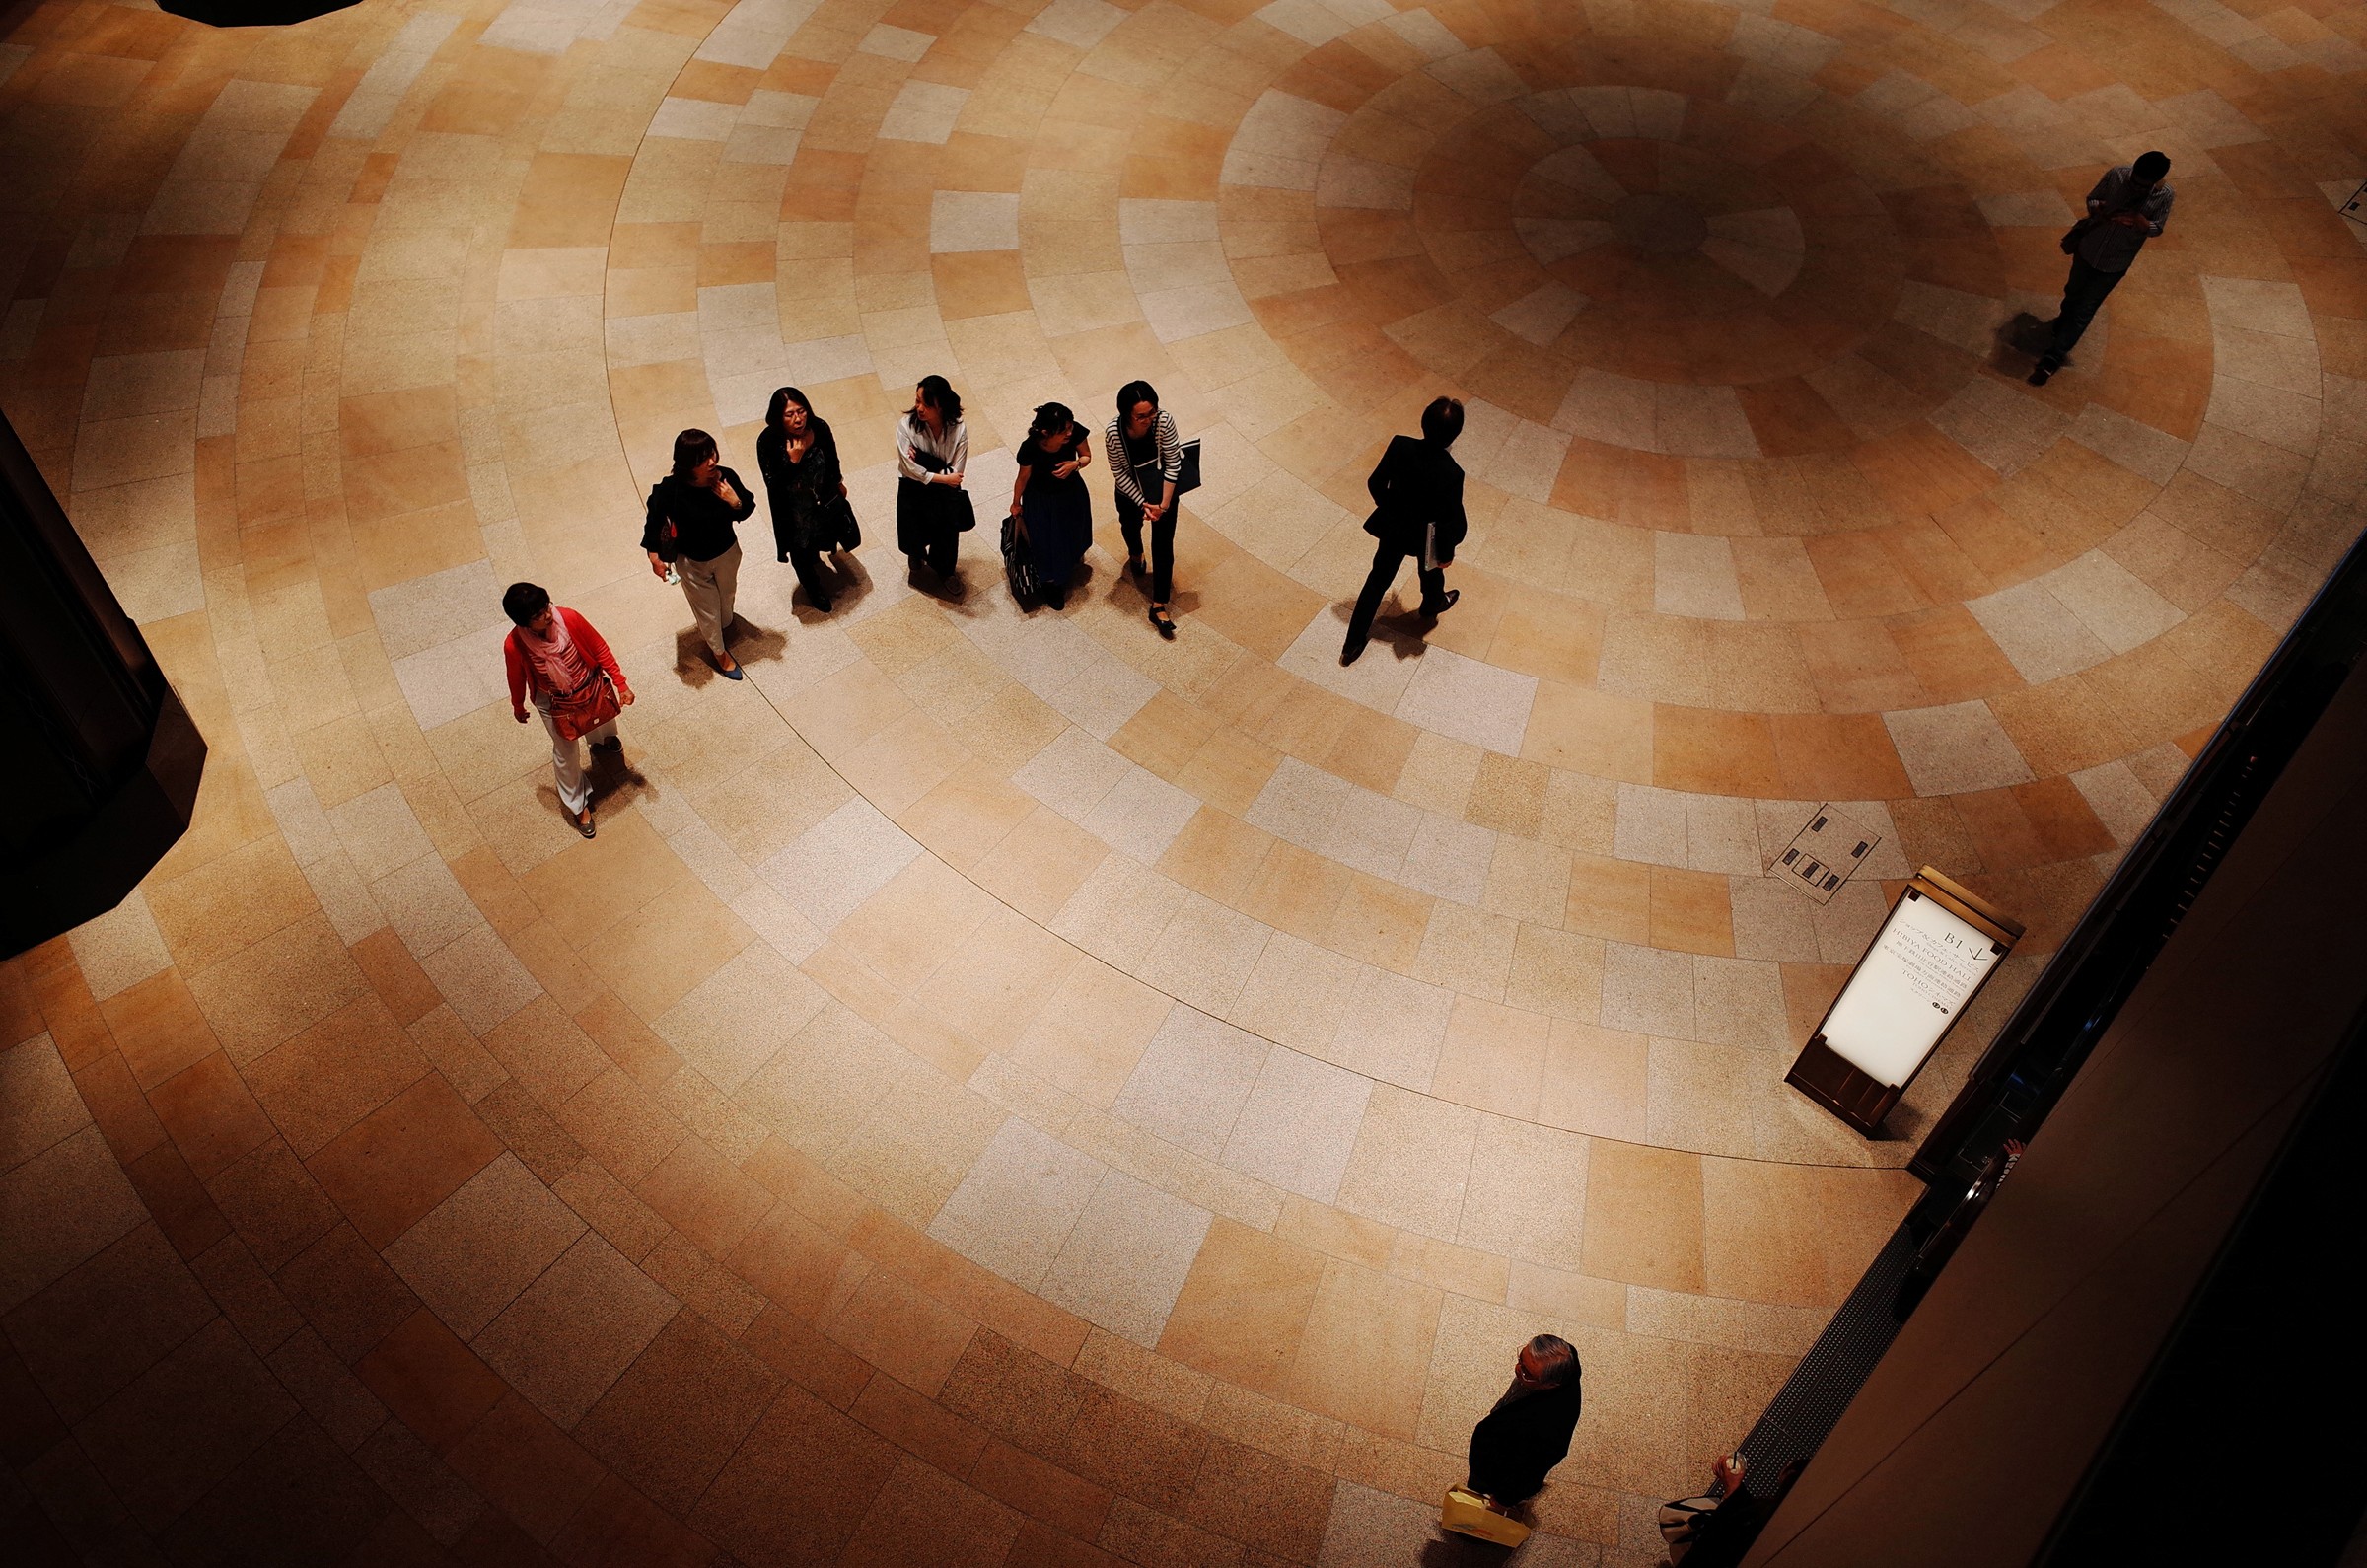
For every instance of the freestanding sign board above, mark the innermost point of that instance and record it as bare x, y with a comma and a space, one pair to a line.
1930, 958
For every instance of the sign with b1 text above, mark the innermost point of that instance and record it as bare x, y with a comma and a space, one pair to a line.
1910, 986
1939, 947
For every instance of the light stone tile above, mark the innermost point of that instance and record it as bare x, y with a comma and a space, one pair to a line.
39, 1106
1299, 1124
923, 112
1468, 699
738, 1017
473, 1253
832, 868
574, 1330
57, 1209
1693, 575
425, 904
1118, 911
693, 119
1772, 920
1016, 1207
1205, 955
1079, 23
380, 832
1072, 775
1191, 1082
1649, 824
1141, 815
1721, 834
1526, 1195
1297, 995
1450, 859
1412, 1159
1372, 833
1103, 695
973, 220
1298, 804
1126, 1258
119, 950
1647, 991
1955, 749
2038, 631
1540, 314
482, 978
896, 43
2120, 799
1738, 1002
1393, 1028
2111, 601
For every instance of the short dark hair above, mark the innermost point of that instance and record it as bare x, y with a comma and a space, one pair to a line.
1136, 392
778, 409
690, 449
2150, 165
523, 601
1050, 420
1442, 421
939, 394
1554, 1354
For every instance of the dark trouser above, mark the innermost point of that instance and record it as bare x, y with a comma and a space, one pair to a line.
926, 527
1385, 561
814, 577
1163, 547
2083, 297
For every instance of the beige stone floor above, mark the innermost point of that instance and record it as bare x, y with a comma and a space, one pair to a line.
1001, 1088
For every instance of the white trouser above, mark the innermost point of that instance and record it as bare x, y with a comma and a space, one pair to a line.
567, 756
711, 586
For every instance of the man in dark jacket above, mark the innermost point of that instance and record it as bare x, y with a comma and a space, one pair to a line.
2128, 206
1418, 510
1529, 1431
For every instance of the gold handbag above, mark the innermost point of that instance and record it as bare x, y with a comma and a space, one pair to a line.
1467, 1514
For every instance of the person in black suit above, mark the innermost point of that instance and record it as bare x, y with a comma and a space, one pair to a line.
1418, 510
1529, 1431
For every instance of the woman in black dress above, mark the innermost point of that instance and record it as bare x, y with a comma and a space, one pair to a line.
799, 458
1050, 499
692, 537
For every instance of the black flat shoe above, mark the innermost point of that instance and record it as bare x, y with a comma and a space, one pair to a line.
1167, 628
2042, 374
1351, 653
585, 825
1444, 604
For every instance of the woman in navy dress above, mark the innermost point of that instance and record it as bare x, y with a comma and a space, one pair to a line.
1054, 512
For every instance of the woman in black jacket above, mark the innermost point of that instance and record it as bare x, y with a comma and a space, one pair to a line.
807, 490
692, 537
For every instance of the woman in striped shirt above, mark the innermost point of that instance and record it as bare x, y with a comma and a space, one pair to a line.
1145, 460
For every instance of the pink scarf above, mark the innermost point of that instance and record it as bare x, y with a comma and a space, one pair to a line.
558, 667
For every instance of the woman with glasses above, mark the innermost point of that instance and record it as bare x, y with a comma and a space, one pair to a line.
805, 489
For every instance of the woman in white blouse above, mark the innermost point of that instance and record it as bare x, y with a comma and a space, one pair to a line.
932, 447
1145, 461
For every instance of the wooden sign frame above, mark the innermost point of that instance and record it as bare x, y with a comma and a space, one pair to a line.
1839, 1085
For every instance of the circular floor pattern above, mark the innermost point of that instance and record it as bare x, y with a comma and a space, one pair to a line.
1003, 1087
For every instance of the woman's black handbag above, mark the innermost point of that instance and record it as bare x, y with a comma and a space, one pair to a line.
1018, 564
1188, 473
848, 531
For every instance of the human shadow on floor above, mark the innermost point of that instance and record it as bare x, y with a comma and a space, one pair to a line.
749, 642
615, 782
1399, 631
2021, 340
853, 585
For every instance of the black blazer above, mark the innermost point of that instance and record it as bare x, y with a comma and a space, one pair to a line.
703, 527
1521, 1438
1416, 483
802, 495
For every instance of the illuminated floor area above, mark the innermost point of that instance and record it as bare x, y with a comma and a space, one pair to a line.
1000, 1087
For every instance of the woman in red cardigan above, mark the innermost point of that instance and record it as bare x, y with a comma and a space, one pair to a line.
556, 656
